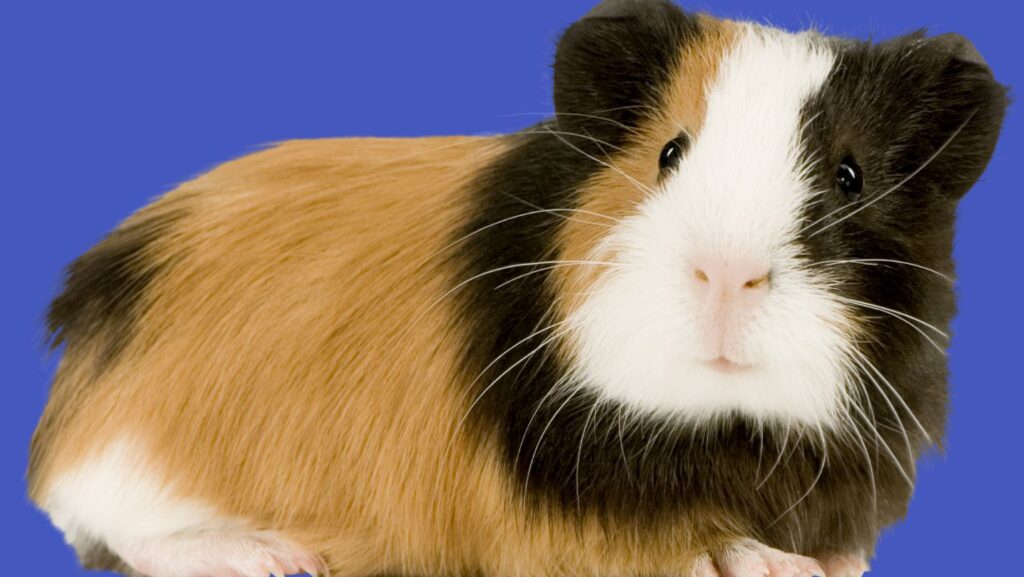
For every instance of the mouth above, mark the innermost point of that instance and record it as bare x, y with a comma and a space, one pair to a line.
726, 366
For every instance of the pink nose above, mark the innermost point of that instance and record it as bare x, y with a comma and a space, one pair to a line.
743, 282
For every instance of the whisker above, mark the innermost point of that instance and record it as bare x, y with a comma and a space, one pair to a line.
809, 121
904, 317
540, 440
875, 261
862, 361
540, 404
477, 276
879, 441
542, 209
859, 438
622, 445
814, 483
899, 397
579, 453
556, 387
778, 460
652, 441
898, 313
540, 270
554, 211
507, 351
872, 423
796, 445
575, 135
760, 448
480, 396
577, 114
640, 186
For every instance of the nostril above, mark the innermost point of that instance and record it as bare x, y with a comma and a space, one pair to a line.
761, 281
731, 277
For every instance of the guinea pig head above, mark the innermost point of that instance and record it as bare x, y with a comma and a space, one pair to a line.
770, 229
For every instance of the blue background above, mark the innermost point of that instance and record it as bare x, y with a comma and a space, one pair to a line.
105, 105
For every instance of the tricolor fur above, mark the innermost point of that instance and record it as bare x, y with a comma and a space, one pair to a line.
493, 356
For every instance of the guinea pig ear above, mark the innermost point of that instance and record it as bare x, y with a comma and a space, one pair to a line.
611, 65
960, 107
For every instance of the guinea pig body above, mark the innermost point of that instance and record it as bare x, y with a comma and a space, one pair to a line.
694, 325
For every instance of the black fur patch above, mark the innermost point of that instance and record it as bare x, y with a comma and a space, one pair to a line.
891, 106
103, 295
98, 557
922, 122
614, 63
921, 117
104, 288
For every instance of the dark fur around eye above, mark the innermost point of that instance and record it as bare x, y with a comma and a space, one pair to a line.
672, 153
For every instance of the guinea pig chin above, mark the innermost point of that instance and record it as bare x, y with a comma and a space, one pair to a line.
711, 308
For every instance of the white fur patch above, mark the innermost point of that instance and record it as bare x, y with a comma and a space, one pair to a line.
736, 195
117, 498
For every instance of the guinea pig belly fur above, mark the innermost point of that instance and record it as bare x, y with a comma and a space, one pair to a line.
693, 325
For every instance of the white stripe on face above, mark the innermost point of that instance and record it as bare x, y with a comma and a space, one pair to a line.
659, 333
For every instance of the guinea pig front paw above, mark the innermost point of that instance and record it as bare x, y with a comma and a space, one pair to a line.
845, 565
748, 558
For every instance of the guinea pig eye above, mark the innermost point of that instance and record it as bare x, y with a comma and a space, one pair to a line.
672, 153
849, 178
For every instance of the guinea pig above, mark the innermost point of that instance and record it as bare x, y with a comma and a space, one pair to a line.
694, 325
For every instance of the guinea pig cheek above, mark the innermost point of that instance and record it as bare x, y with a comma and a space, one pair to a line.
678, 329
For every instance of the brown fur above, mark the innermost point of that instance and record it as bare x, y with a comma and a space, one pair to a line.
298, 368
